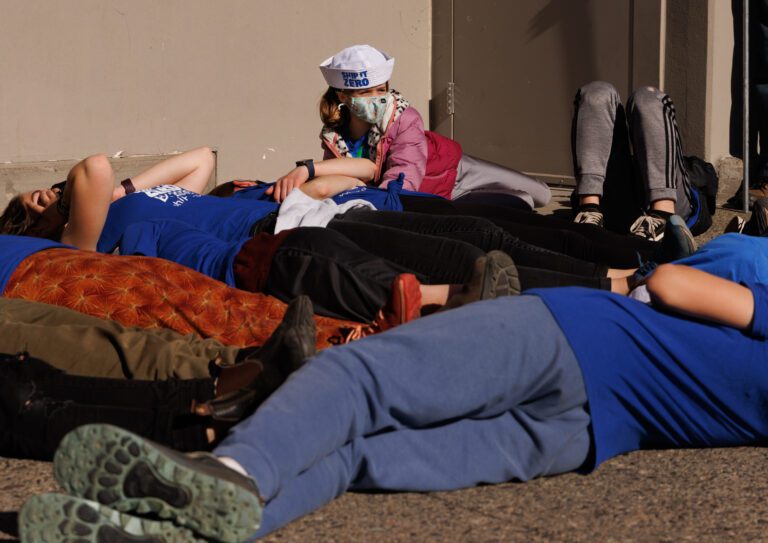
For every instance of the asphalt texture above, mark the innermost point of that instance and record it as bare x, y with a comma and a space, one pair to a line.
649, 496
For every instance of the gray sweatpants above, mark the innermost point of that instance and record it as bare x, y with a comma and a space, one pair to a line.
653, 136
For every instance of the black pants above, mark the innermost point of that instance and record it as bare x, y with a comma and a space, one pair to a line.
39, 404
478, 232
348, 268
580, 241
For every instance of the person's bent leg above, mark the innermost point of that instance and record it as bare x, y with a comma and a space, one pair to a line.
596, 105
659, 152
342, 280
477, 361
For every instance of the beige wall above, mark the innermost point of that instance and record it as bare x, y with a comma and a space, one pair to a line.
152, 77
699, 44
720, 55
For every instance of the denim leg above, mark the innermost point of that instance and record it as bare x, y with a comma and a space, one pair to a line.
527, 442
476, 362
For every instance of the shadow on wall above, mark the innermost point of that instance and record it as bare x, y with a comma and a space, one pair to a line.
576, 28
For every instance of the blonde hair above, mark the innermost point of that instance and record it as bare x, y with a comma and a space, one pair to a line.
16, 219
332, 115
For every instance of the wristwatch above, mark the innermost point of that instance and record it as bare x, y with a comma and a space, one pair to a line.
128, 186
310, 164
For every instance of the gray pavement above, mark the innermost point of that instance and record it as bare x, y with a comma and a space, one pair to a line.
650, 496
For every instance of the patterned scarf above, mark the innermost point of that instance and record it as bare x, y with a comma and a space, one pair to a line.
398, 104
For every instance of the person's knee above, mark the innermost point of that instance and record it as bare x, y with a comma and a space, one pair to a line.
646, 98
206, 154
96, 166
598, 93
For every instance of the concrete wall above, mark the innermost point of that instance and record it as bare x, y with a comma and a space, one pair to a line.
152, 77
699, 44
720, 55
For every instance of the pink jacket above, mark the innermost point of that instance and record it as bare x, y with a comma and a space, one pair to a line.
427, 159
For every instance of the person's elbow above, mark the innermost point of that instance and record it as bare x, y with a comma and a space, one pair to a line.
664, 286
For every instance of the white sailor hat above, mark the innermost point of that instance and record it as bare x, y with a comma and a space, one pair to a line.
357, 67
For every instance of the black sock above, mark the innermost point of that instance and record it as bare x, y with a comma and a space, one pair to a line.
660, 214
590, 207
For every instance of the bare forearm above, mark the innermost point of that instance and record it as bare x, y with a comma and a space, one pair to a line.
190, 170
328, 186
702, 295
359, 168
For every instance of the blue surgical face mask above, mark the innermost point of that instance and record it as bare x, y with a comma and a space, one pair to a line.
370, 109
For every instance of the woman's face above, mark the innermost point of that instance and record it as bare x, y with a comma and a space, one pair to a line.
346, 95
37, 201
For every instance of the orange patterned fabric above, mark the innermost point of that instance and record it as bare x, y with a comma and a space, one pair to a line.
154, 293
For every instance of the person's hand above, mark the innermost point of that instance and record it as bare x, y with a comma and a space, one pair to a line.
49, 224
240, 184
295, 178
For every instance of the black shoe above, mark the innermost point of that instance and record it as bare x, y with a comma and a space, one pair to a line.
292, 342
494, 275
758, 222
263, 369
649, 226
127, 473
56, 518
677, 243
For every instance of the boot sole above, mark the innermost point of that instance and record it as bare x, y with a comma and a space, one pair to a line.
118, 469
56, 518
502, 279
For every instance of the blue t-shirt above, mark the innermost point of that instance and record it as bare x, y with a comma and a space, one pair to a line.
656, 380
732, 256
184, 244
14, 249
225, 218
387, 199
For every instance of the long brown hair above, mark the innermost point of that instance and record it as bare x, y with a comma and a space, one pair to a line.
332, 115
16, 219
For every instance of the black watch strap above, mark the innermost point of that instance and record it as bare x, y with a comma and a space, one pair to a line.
310, 164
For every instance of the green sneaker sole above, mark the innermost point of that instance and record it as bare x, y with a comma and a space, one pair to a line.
56, 518
125, 472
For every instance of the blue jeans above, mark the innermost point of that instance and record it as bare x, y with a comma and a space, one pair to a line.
487, 393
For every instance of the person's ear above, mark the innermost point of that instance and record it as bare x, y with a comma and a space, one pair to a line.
343, 97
